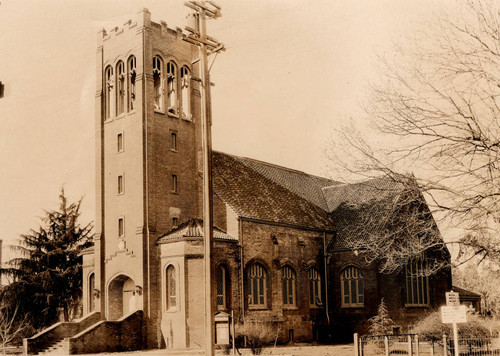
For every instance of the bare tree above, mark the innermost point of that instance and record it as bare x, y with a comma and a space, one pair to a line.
388, 222
484, 281
11, 325
437, 112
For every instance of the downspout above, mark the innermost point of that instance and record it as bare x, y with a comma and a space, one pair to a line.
242, 293
325, 257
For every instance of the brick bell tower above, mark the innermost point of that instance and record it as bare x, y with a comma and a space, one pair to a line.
148, 164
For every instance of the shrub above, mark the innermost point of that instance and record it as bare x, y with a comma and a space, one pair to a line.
430, 327
258, 334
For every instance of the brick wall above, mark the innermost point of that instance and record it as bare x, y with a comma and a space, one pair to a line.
391, 287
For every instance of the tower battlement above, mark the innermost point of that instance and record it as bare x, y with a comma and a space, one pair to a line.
143, 19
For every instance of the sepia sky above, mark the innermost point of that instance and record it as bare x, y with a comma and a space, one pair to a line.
293, 70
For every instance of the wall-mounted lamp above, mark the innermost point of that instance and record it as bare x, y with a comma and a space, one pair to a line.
138, 290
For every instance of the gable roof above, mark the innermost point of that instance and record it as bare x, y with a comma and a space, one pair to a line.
262, 191
360, 193
349, 204
193, 228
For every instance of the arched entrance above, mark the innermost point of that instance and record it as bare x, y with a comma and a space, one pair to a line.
122, 297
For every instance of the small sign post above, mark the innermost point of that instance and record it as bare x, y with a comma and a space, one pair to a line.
453, 313
452, 299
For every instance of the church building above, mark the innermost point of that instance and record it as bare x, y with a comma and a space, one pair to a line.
277, 257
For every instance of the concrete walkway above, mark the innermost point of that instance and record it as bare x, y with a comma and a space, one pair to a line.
296, 350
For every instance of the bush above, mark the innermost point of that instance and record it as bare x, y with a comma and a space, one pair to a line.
431, 328
258, 334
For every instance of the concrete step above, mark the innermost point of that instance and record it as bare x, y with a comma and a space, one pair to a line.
56, 348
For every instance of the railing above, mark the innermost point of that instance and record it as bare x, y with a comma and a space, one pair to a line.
413, 345
58, 332
124, 334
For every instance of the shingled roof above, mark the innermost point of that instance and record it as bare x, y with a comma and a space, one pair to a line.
347, 203
307, 186
361, 193
271, 193
192, 229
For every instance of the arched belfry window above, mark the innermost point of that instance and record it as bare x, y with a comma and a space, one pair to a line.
108, 92
132, 72
186, 92
120, 88
171, 292
158, 83
222, 285
257, 286
353, 293
171, 88
288, 278
314, 287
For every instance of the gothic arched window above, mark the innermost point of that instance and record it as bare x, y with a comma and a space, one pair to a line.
222, 287
171, 288
288, 279
186, 92
132, 72
108, 91
314, 287
353, 293
257, 286
417, 283
158, 82
120, 88
171, 88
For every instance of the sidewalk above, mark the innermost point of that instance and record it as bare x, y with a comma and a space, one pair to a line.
296, 350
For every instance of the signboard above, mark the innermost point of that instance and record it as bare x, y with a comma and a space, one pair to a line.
454, 314
452, 299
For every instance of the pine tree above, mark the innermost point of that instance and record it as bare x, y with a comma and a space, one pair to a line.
47, 277
381, 323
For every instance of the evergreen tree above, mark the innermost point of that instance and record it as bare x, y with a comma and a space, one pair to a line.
47, 275
381, 323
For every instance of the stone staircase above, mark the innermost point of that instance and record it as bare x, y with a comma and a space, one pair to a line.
56, 348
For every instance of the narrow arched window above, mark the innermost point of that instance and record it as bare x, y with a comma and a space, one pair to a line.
185, 92
314, 287
417, 283
257, 285
132, 72
108, 91
158, 83
120, 88
171, 88
91, 293
353, 293
171, 291
288, 284
221, 288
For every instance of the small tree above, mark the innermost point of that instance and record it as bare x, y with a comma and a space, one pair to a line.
381, 323
47, 277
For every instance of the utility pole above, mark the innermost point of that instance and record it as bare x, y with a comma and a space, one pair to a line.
207, 45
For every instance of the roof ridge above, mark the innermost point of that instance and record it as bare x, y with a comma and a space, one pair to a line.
272, 165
